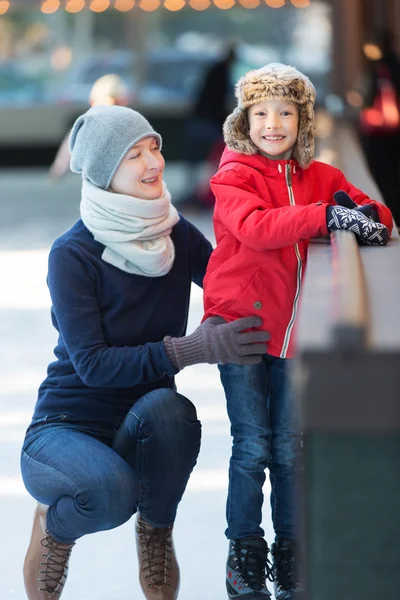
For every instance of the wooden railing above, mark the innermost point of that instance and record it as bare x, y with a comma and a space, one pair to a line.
347, 381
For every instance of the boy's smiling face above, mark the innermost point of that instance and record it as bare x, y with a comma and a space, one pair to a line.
274, 125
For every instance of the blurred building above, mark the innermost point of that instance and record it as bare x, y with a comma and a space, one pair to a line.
53, 51
356, 27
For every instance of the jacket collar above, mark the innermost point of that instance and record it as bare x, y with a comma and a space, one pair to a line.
266, 166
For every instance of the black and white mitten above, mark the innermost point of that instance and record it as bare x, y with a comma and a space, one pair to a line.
343, 199
367, 232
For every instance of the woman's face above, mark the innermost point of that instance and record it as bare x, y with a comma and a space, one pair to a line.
140, 174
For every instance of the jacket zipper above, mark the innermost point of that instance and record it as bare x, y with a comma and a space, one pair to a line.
288, 176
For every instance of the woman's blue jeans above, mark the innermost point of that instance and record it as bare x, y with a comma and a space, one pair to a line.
95, 476
265, 435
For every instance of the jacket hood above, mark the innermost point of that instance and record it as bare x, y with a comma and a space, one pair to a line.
273, 81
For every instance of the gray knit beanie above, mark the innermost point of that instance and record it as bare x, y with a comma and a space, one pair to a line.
100, 139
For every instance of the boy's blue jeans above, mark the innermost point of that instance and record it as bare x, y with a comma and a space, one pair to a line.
95, 476
265, 435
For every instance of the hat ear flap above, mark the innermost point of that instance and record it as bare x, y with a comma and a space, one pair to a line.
236, 133
305, 146
75, 130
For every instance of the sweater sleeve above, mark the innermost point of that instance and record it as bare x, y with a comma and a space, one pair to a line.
255, 225
385, 216
201, 250
72, 284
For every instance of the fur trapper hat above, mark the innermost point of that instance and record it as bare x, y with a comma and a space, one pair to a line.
273, 81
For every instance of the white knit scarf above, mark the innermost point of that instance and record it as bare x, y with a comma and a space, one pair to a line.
135, 232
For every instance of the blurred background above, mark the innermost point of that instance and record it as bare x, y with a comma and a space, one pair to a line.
176, 61
52, 52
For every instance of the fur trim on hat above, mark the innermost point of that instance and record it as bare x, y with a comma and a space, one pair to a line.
273, 81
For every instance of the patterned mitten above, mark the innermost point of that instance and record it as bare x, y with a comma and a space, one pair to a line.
367, 232
343, 199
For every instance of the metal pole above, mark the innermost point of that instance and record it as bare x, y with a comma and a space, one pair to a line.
82, 36
347, 44
136, 32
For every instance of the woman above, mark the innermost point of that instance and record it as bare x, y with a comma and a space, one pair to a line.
110, 435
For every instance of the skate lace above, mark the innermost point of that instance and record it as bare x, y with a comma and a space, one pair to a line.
285, 569
254, 566
55, 567
156, 545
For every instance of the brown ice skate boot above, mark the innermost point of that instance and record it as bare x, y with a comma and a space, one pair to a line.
46, 562
158, 567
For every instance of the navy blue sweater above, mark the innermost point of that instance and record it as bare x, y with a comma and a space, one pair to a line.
111, 325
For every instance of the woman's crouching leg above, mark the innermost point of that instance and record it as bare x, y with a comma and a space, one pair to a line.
86, 484
82, 486
160, 439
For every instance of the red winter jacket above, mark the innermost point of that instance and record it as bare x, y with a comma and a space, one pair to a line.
266, 212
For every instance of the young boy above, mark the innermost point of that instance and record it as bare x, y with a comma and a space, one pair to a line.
271, 199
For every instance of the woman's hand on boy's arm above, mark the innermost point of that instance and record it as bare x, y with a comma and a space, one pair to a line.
216, 341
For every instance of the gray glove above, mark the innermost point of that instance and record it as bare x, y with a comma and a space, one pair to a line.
367, 232
216, 341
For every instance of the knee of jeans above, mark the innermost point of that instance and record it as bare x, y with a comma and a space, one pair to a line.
110, 500
254, 451
286, 451
166, 411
